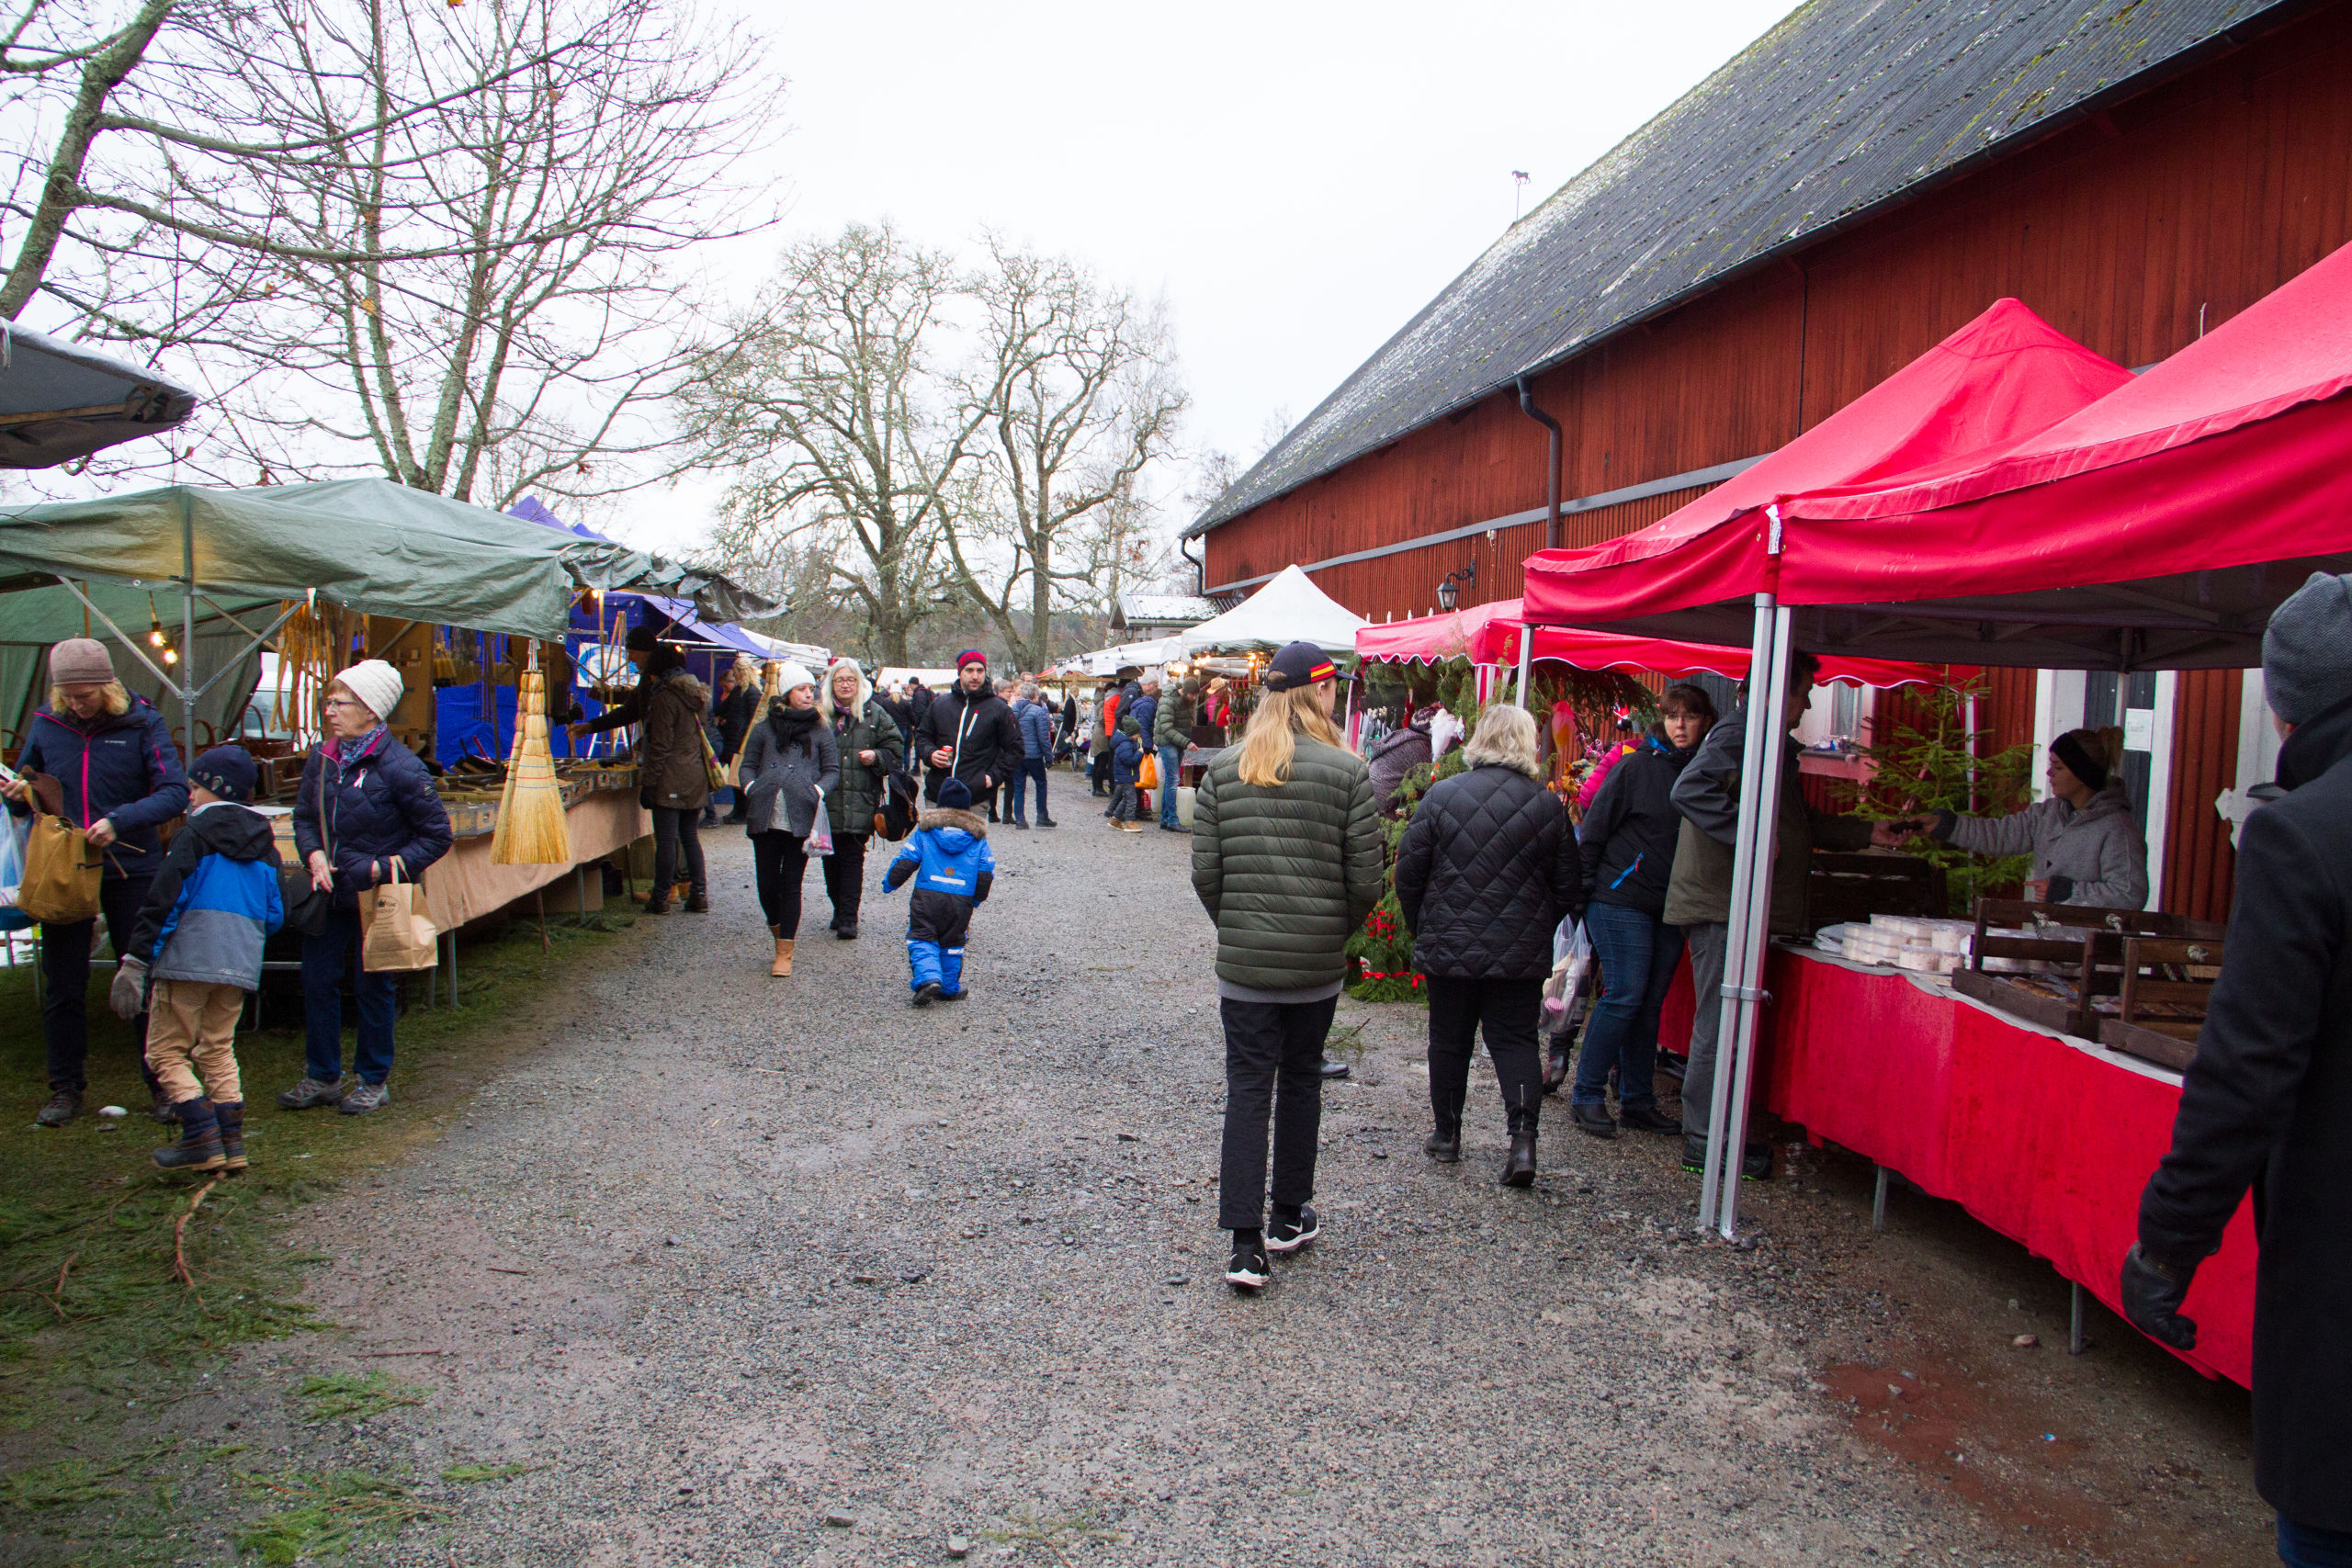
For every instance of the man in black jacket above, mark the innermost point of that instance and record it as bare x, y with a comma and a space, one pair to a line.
2267, 1102
968, 733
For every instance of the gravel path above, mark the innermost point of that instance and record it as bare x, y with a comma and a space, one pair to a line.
784, 1271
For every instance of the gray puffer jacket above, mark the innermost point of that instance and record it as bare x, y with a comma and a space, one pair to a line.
1287, 873
2098, 854
789, 770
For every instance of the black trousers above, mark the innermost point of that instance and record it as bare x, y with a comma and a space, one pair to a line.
1274, 1071
845, 876
66, 981
671, 827
1507, 1011
778, 861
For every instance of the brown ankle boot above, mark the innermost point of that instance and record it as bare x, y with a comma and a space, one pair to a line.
783, 964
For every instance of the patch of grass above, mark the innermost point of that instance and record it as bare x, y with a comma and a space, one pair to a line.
354, 1396
325, 1514
96, 1327
463, 1474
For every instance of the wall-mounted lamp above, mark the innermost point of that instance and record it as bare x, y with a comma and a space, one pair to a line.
1447, 594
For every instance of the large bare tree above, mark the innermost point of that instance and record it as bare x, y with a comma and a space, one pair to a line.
830, 403
1075, 388
434, 242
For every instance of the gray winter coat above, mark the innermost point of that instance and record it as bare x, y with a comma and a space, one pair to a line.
793, 774
2099, 850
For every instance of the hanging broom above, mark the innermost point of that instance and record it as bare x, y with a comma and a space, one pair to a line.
531, 830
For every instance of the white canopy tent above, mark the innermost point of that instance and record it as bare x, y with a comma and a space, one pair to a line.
1288, 609
1141, 655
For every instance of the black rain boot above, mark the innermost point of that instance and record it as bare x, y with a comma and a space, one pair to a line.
232, 1118
1519, 1171
1444, 1145
200, 1144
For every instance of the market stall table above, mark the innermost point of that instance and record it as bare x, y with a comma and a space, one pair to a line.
2045, 1137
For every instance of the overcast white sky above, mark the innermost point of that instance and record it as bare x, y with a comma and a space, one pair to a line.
1295, 181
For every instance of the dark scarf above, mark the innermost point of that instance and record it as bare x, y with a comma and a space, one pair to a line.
791, 726
845, 719
348, 754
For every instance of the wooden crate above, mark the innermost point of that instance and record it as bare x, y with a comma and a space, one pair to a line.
2095, 966
2165, 978
1854, 886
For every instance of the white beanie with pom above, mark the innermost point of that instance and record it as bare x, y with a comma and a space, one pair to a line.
375, 683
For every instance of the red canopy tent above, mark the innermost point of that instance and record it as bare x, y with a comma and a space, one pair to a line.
2002, 379
2155, 527
1490, 633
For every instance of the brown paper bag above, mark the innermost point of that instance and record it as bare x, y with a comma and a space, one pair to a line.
399, 935
61, 873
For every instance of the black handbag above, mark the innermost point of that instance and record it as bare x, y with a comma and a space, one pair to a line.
307, 905
894, 819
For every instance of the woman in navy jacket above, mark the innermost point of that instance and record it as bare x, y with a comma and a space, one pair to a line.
1627, 840
366, 803
113, 753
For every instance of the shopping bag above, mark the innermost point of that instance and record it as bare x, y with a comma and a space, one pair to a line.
1148, 776
1571, 962
12, 873
400, 934
713, 769
61, 873
820, 842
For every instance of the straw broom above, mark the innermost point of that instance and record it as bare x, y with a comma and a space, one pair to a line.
531, 829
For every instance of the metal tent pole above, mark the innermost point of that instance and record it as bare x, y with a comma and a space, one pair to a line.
1744, 876
1526, 661
1750, 976
187, 622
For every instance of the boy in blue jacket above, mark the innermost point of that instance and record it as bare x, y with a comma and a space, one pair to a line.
1126, 766
949, 858
196, 952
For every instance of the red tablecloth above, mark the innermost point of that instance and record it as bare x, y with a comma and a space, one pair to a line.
2046, 1138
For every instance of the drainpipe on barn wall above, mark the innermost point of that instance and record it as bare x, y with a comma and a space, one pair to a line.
1200, 568
1552, 469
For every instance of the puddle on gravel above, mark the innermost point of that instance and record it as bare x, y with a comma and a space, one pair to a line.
2062, 1491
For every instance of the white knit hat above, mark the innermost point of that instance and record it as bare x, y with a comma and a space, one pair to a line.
793, 675
375, 683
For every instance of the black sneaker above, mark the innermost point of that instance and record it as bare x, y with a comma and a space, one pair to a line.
1289, 1235
1048, 822
1333, 1070
1249, 1269
925, 994
1756, 1162
62, 1106
1694, 1152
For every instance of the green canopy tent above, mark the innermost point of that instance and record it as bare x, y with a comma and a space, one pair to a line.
228, 558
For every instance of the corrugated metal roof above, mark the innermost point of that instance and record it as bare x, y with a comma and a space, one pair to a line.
1845, 105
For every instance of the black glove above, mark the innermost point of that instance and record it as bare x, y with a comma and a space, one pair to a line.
1940, 827
2061, 890
2153, 1293
645, 796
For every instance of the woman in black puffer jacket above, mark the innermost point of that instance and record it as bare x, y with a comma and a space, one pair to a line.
1488, 868
1628, 841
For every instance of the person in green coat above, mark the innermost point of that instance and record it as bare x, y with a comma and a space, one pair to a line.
1287, 859
872, 749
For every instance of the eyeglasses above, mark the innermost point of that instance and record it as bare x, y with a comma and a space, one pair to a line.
345, 703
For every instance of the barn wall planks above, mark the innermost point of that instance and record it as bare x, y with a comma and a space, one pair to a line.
2200, 867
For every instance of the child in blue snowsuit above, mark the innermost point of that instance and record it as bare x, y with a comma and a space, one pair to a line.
949, 858
1126, 766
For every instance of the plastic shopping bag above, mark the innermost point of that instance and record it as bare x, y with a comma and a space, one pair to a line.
12, 873
1571, 963
820, 831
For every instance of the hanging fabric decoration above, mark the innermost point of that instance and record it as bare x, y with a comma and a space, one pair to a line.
531, 827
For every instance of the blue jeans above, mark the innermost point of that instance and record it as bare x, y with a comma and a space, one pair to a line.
1170, 759
1637, 955
1032, 768
324, 957
2308, 1546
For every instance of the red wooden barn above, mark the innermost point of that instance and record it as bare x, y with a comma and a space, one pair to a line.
1860, 182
